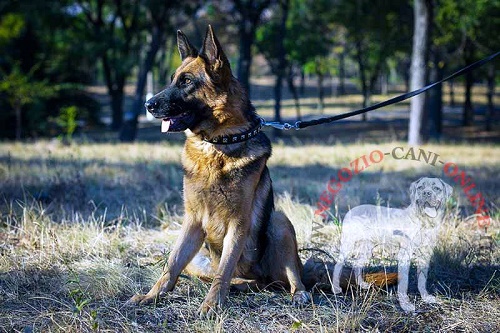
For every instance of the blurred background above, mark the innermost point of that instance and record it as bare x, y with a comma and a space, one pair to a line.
83, 67
91, 191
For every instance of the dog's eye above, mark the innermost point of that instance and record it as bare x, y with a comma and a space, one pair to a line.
420, 188
437, 189
186, 80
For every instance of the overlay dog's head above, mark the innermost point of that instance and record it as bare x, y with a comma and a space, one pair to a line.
429, 196
202, 94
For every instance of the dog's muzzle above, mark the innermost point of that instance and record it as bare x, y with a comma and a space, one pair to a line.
173, 119
430, 206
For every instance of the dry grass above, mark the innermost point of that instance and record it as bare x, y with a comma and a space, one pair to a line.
85, 226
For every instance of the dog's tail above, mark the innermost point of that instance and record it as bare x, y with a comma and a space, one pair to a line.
318, 273
381, 279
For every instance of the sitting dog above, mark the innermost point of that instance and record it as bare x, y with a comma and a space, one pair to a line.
414, 230
231, 234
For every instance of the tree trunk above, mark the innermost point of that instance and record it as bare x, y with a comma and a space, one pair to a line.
362, 76
418, 69
302, 82
468, 110
384, 84
490, 111
293, 90
341, 88
403, 68
166, 54
366, 101
281, 68
250, 12
435, 97
247, 37
452, 93
129, 130
116, 108
19, 123
321, 92
277, 102
407, 81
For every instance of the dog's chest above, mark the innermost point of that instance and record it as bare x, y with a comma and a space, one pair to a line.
219, 189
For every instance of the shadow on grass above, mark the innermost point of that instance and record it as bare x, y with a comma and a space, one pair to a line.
151, 189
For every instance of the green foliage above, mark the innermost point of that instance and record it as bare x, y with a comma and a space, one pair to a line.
42, 56
11, 26
376, 31
308, 37
21, 89
310, 26
321, 65
67, 121
478, 20
80, 300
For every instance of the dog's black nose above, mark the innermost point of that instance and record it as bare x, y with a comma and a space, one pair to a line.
427, 193
151, 105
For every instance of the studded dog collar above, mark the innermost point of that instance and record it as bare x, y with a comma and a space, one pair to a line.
239, 137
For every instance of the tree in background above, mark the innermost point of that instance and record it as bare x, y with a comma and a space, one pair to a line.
471, 28
21, 90
113, 28
419, 68
375, 31
249, 14
298, 35
157, 25
271, 43
38, 48
488, 41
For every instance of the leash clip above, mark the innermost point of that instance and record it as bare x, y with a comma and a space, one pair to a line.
278, 125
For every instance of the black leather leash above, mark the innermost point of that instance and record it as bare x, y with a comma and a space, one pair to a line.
303, 124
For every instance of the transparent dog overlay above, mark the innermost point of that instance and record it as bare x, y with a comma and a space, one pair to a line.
412, 231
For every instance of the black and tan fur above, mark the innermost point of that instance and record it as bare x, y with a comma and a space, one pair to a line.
231, 233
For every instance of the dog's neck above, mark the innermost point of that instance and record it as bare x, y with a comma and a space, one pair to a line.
233, 119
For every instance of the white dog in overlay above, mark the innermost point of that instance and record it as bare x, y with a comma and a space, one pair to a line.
414, 229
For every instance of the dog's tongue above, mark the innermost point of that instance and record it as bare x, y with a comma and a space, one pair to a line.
165, 125
430, 211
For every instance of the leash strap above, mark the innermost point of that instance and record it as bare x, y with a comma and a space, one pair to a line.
303, 124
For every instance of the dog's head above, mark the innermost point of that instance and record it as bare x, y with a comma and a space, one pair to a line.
429, 195
201, 95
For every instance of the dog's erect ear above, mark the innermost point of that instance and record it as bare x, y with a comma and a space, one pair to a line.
413, 188
186, 49
212, 52
448, 190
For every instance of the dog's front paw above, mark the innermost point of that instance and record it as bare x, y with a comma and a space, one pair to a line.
405, 304
430, 299
301, 298
208, 310
336, 289
140, 300
365, 285
212, 304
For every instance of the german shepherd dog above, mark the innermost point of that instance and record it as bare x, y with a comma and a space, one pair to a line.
231, 234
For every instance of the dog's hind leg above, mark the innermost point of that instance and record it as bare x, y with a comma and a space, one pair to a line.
201, 267
336, 289
358, 269
281, 260
346, 249
364, 256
